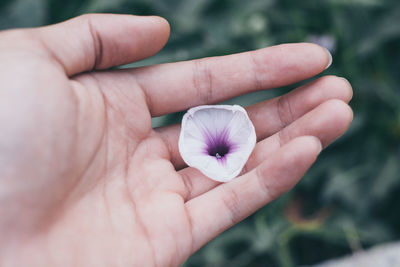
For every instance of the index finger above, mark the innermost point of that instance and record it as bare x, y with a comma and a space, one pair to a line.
178, 86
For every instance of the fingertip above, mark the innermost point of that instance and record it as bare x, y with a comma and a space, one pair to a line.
315, 143
298, 61
339, 116
342, 110
336, 87
324, 55
348, 89
158, 26
348, 112
327, 56
163, 25
348, 117
307, 143
163, 21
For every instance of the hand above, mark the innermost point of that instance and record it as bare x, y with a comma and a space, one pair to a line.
86, 181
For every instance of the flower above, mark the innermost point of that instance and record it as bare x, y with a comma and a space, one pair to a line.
217, 140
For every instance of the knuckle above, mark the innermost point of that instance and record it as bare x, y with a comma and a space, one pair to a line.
258, 69
188, 186
203, 80
263, 184
283, 137
231, 203
284, 111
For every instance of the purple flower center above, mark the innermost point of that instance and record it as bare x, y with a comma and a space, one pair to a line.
218, 149
218, 145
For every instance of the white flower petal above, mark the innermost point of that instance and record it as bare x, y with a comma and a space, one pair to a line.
217, 140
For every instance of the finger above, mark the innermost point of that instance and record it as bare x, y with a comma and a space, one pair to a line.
227, 204
178, 86
100, 41
327, 122
271, 116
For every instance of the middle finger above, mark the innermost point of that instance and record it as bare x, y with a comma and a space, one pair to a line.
273, 115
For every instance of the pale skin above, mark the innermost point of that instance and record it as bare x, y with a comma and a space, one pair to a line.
86, 181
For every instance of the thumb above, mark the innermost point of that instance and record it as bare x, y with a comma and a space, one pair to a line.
100, 41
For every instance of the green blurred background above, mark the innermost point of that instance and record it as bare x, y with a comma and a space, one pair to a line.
349, 200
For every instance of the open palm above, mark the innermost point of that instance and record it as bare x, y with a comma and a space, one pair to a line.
85, 179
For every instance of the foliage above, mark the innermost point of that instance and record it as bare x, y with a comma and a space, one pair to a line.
348, 200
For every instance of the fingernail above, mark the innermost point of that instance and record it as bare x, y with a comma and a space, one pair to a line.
319, 144
330, 58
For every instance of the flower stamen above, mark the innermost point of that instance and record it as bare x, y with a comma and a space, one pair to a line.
218, 150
